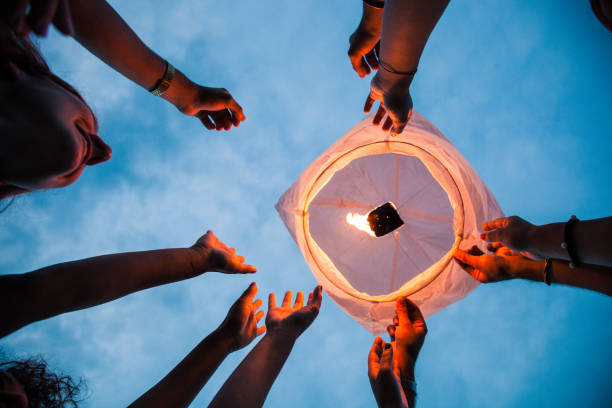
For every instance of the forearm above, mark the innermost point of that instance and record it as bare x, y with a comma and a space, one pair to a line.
371, 19
592, 240
406, 29
100, 29
593, 277
184, 382
249, 384
75, 285
406, 376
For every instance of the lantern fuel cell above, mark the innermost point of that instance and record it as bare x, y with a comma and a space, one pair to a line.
384, 219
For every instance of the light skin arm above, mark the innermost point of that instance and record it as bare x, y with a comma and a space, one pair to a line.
506, 264
406, 28
184, 382
249, 384
114, 42
76, 285
592, 238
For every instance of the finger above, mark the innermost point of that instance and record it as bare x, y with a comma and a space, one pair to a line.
287, 299
41, 14
368, 104
372, 60
395, 320
261, 330
257, 304
398, 127
63, 18
376, 349
271, 301
236, 110
310, 295
474, 250
377, 49
317, 297
415, 313
391, 331
466, 258
494, 246
205, 119
232, 250
380, 114
220, 119
259, 315
240, 258
249, 293
299, 301
401, 308
386, 360
495, 224
244, 268
388, 123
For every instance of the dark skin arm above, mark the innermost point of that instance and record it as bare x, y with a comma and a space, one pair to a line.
249, 384
592, 238
406, 27
184, 382
507, 264
76, 285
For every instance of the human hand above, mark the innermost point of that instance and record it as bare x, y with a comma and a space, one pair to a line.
210, 254
513, 232
215, 107
37, 16
384, 382
395, 101
240, 324
364, 50
504, 264
292, 321
408, 333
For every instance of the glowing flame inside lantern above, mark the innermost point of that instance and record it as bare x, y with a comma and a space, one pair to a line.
360, 222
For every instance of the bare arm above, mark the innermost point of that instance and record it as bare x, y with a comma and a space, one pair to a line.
406, 27
249, 384
103, 32
592, 238
184, 382
76, 285
507, 264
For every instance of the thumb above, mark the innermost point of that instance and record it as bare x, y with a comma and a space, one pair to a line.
401, 308
386, 361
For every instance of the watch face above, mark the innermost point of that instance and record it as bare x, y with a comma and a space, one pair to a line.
384, 219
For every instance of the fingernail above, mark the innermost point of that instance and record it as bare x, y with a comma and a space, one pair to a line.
387, 346
482, 236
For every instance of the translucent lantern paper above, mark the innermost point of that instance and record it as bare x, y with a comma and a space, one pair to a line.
436, 193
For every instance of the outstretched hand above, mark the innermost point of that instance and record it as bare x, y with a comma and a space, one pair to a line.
364, 50
215, 107
395, 101
504, 264
240, 324
25, 16
384, 382
210, 254
408, 332
293, 320
511, 232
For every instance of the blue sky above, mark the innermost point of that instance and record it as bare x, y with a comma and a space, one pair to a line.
522, 91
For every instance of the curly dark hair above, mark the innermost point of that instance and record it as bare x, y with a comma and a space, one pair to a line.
45, 389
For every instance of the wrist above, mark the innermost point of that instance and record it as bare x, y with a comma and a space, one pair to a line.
406, 367
282, 336
181, 91
371, 20
223, 339
529, 270
392, 84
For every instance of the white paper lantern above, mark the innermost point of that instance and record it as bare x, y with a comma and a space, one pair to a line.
437, 194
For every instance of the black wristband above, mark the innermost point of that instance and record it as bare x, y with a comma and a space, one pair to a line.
568, 242
375, 3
